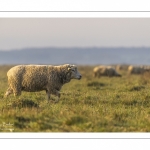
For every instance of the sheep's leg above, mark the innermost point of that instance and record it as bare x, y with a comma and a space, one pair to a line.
57, 93
48, 95
15, 86
17, 90
17, 94
8, 92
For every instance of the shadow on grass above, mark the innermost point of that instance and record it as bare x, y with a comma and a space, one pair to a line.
137, 88
95, 84
25, 103
21, 122
75, 120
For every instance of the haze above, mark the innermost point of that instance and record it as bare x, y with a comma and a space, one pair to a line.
18, 33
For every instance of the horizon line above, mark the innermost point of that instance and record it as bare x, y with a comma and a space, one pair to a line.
72, 47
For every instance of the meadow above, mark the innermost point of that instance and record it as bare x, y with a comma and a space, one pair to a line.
88, 105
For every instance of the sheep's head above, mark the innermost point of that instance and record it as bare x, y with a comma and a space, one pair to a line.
69, 72
74, 73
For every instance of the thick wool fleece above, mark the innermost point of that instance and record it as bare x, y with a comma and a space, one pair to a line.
34, 78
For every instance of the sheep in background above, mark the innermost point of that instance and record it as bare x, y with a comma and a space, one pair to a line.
136, 69
105, 71
32, 78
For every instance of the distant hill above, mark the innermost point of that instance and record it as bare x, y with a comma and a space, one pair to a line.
83, 56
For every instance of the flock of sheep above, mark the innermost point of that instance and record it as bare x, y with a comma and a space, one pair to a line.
110, 71
32, 78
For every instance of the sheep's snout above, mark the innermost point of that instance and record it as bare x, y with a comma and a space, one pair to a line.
79, 77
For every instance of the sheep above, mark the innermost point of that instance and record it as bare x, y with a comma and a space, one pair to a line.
105, 71
136, 69
32, 78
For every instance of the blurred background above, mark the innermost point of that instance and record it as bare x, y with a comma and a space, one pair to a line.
83, 41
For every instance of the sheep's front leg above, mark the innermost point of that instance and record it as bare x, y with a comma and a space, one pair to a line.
48, 95
57, 93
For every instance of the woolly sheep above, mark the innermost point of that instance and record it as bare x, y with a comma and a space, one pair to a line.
32, 78
136, 69
105, 71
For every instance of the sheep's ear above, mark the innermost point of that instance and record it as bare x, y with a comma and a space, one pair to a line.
69, 69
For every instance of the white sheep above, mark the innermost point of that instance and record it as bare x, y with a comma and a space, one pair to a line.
105, 71
136, 69
32, 78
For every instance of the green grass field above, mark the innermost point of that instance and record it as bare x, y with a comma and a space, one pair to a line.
87, 105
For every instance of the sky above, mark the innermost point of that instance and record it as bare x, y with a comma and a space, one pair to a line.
19, 33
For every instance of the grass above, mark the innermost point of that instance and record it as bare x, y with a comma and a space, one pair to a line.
89, 105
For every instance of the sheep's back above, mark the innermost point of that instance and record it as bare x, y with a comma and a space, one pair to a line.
34, 78
29, 77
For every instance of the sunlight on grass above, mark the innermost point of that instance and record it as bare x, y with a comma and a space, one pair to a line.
89, 105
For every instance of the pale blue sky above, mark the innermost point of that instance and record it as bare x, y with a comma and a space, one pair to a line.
18, 33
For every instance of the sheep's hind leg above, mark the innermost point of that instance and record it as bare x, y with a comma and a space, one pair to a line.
17, 93
17, 90
8, 92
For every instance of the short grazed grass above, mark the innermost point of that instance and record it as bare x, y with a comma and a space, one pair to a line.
87, 105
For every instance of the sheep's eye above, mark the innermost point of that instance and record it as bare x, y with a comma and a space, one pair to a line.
73, 70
